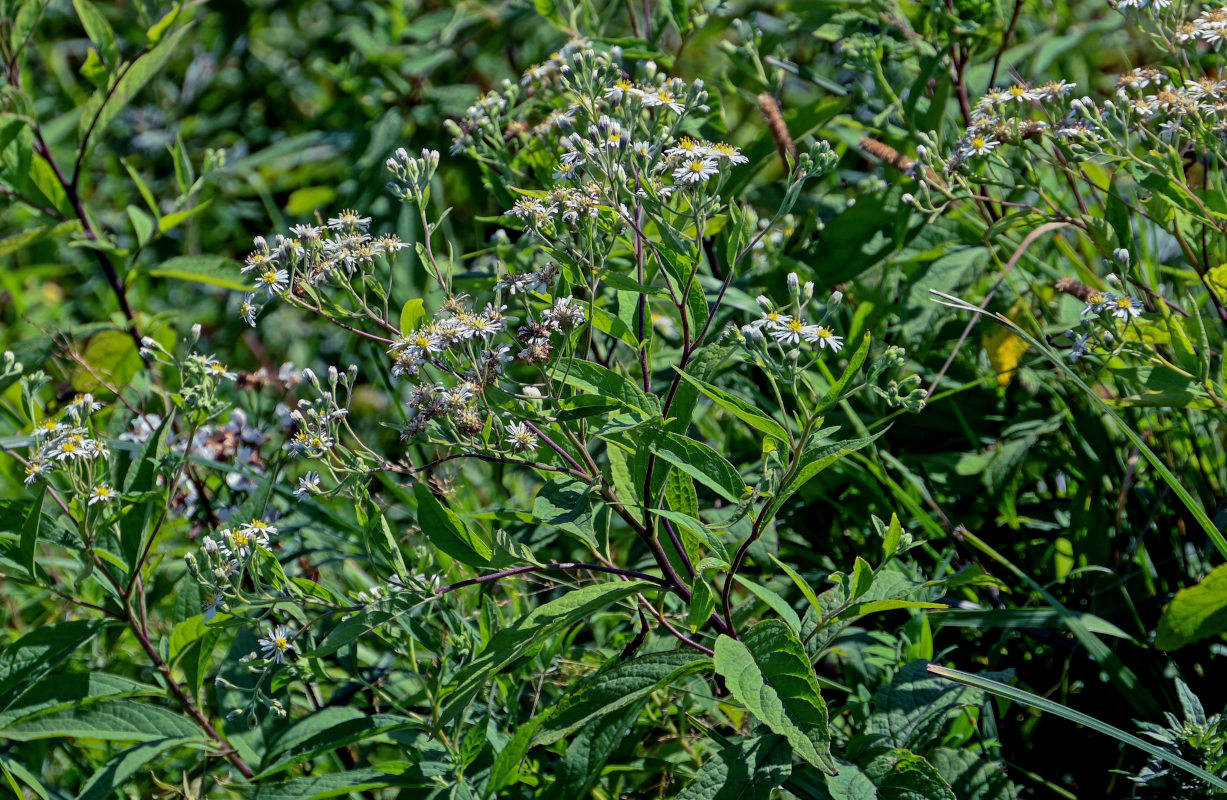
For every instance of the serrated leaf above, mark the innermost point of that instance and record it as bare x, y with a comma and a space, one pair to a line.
106, 720
618, 684
697, 460
769, 673
903, 775
530, 632
589, 749
1196, 612
565, 503
748, 769
912, 710
970, 776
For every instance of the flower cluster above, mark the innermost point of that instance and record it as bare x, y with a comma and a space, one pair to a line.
225, 555
790, 330
68, 444
314, 255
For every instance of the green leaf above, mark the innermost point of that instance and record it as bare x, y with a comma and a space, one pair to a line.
769, 673
411, 314
748, 769
112, 355
140, 478
216, 271
26, 660
106, 781
816, 457
531, 632
903, 775
738, 408
565, 503
325, 731
970, 776
98, 30
702, 604
589, 749
776, 603
142, 224
372, 616
1196, 612
107, 720
101, 108
912, 710
448, 532
697, 460
618, 684
595, 379
27, 546
854, 366
71, 689
332, 784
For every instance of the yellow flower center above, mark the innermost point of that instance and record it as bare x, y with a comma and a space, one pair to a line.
281, 643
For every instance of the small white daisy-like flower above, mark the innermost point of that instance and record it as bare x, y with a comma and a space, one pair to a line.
37, 469
727, 152
566, 313
772, 319
248, 310
102, 493
349, 220
825, 337
276, 645
218, 370
1097, 301
210, 604
695, 170
521, 437
273, 281
979, 145
1126, 308
69, 448
260, 529
792, 332
308, 485
82, 406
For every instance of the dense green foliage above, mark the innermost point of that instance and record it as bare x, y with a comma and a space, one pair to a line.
808, 399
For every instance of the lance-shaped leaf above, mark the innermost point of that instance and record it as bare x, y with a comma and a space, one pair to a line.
448, 532
738, 408
769, 673
532, 631
698, 461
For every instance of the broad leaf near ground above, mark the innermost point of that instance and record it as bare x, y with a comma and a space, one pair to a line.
747, 769
769, 673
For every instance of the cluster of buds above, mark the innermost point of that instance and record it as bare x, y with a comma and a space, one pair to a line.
412, 176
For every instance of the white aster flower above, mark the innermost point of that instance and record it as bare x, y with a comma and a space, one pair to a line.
825, 337
521, 437
102, 493
308, 485
276, 645
695, 170
1126, 308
